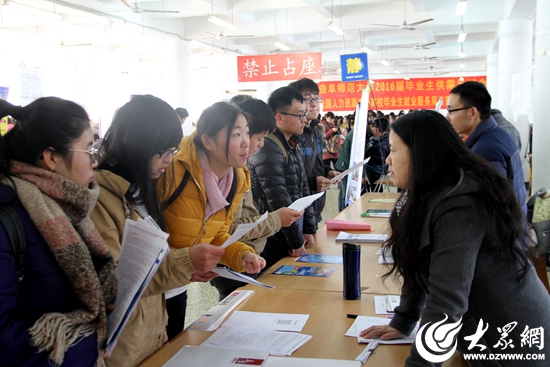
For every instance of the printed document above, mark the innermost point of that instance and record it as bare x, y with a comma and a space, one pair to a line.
268, 321
364, 322
305, 202
230, 274
243, 229
349, 170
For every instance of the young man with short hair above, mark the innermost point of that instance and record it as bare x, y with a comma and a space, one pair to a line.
311, 145
279, 178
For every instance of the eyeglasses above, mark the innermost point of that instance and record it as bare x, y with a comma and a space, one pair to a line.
171, 151
450, 111
300, 116
92, 152
313, 99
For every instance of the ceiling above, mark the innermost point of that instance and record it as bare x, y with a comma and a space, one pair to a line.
300, 24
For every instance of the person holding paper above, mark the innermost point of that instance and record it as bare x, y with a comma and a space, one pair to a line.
136, 151
210, 179
279, 177
318, 173
457, 239
52, 303
261, 122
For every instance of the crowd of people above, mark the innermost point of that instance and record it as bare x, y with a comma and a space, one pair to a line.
458, 232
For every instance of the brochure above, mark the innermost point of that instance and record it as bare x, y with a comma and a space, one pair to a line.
304, 271
317, 258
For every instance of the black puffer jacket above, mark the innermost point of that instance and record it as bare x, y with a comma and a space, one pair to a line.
276, 185
310, 135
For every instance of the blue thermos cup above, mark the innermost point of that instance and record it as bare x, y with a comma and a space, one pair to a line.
351, 254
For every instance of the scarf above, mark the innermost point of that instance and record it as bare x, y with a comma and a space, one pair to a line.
216, 189
401, 202
60, 209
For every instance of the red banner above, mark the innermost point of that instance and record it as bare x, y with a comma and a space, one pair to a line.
391, 94
266, 68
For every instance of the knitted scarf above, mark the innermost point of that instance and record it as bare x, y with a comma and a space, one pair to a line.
60, 209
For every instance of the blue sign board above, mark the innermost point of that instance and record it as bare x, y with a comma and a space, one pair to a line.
354, 67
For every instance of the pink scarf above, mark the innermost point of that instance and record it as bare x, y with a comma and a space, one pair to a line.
216, 189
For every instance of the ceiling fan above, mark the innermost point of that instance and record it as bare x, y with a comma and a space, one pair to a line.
405, 25
418, 46
431, 68
135, 9
221, 36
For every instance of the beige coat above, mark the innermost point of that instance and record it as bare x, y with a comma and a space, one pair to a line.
247, 213
144, 333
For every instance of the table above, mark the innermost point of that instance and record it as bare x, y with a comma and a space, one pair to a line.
328, 339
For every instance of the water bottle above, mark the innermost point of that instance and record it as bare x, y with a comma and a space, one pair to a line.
351, 254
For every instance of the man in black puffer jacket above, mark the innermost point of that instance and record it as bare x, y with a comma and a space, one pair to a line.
279, 178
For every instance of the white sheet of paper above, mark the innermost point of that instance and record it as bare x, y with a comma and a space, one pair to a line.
275, 342
274, 361
243, 229
348, 171
305, 202
383, 261
364, 322
230, 274
268, 321
380, 305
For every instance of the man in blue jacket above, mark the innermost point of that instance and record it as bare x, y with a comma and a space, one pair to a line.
468, 110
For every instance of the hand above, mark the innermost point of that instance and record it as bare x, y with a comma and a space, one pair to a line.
332, 174
297, 251
205, 257
252, 263
203, 277
289, 216
335, 129
323, 183
384, 332
308, 240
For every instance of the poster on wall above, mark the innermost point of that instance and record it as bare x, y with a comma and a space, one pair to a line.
30, 79
354, 67
266, 68
391, 94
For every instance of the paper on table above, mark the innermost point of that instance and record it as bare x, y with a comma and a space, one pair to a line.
385, 260
243, 229
274, 361
349, 170
230, 274
380, 305
213, 318
144, 247
275, 342
268, 321
364, 322
305, 202
218, 357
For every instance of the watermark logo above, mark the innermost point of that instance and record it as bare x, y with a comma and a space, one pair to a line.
437, 342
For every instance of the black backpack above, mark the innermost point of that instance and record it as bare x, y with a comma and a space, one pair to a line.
16, 235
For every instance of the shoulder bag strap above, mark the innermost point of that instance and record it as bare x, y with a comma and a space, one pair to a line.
178, 191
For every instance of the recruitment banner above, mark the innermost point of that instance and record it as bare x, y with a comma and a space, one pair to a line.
266, 68
391, 94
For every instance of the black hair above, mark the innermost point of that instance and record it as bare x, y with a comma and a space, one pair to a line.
329, 114
281, 99
305, 85
474, 94
436, 157
182, 112
48, 122
238, 99
142, 128
212, 121
261, 118
382, 123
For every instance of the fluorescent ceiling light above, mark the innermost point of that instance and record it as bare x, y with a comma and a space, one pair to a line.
384, 62
333, 27
366, 50
221, 23
34, 11
462, 54
462, 66
461, 36
406, 78
396, 71
281, 46
461, 7
461, 79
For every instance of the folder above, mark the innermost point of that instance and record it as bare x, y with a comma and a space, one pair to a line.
340, 225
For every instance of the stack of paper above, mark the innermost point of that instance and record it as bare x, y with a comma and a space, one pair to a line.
212, 319
361, 238
364, 322
218, 357
384, 305
276, 333
144, 248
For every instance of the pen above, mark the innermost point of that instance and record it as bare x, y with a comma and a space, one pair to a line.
352, 316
